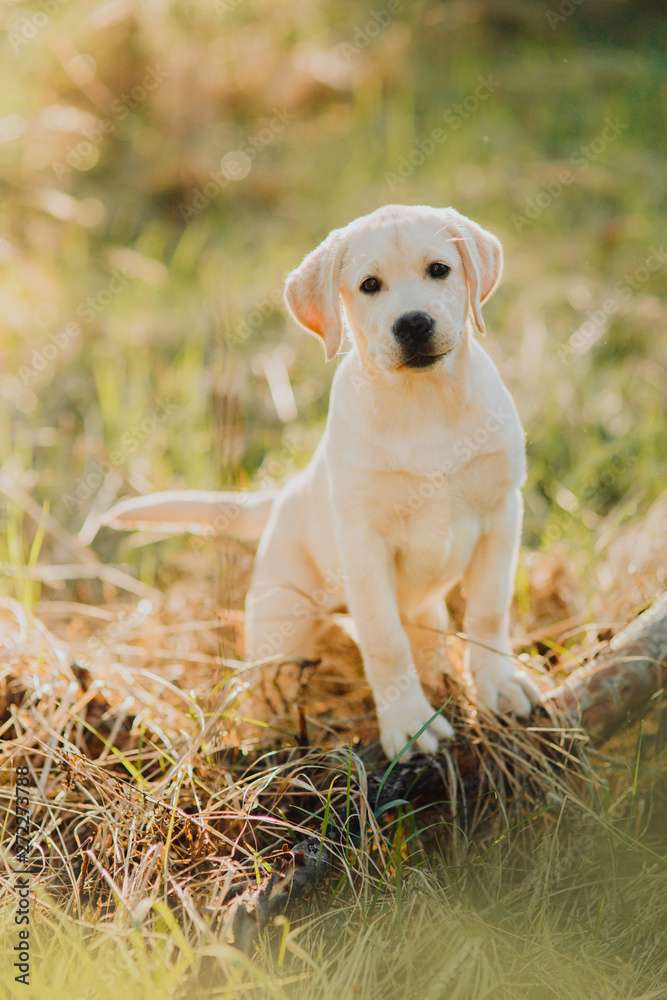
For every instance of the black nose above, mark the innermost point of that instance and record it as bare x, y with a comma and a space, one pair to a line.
413, 329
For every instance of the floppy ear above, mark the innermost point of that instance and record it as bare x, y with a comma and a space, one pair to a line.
482, 256
312, 293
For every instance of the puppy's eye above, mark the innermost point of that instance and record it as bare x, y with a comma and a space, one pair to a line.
370, 285
438, 270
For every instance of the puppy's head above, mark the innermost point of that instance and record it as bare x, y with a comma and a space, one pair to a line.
405, 278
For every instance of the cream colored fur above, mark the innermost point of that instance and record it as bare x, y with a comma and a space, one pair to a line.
415, 485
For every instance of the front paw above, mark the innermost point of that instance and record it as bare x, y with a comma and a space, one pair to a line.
502, 686
403, 714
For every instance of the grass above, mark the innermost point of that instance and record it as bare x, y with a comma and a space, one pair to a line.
569, 905
140, 290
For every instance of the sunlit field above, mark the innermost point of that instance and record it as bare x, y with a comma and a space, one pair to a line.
163, 166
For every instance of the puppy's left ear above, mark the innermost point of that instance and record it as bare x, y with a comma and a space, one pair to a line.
312, 293
482, 256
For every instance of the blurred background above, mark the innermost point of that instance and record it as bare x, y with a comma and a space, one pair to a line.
165, 163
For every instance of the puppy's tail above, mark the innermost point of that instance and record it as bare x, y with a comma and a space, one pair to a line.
203, 512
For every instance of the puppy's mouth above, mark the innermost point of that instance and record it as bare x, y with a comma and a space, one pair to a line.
420, 360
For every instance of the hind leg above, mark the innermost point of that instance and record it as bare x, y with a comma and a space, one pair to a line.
283, 617
281, 620
281, 627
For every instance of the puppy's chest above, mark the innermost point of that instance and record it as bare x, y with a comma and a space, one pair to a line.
432, 552
433, 522
413, 502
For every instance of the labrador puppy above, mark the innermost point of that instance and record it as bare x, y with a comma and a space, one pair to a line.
415, 485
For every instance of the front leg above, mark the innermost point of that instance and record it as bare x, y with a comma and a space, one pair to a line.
427, 632
488, 584
402, 707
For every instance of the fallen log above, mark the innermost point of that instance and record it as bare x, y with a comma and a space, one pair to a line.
622, 682
616, 688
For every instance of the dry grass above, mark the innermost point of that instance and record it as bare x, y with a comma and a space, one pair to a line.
126, 713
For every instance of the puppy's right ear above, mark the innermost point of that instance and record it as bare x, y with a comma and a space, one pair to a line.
312, 293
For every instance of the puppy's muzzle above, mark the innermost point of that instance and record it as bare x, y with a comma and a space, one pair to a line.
414, 332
